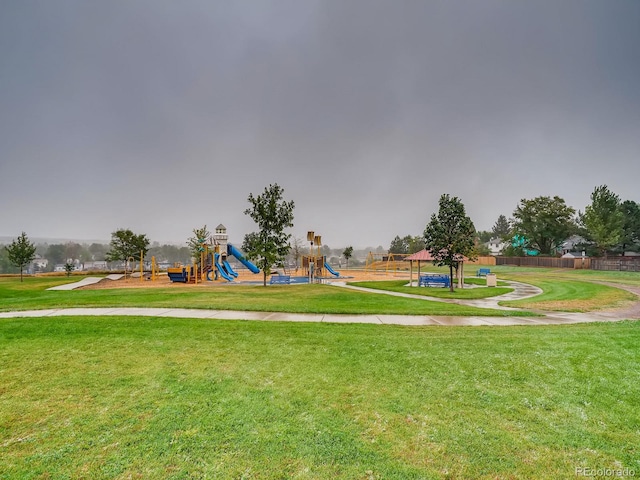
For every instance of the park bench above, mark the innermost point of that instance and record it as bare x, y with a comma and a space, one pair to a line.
483, 272
280, 279
434, 281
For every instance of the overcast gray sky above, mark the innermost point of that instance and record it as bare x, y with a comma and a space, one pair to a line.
162, 116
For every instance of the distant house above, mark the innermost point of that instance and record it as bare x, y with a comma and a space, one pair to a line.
574, 255
496, 246
40, 263
96, 265
573, 244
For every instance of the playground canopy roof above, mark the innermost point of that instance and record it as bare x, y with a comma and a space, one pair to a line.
425, 256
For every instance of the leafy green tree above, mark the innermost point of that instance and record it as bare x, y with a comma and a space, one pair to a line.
124, 244
297, 247
483, 250
5, 264
415, 243
73, 250
56, 254
399, 245
501, 229
603, 219
347, 253
630, 238
513, 251
21, 252
68, 268
546, 222
484, 236
195, 243
406, 244
270, 244
170, 254
450, 234
98, 251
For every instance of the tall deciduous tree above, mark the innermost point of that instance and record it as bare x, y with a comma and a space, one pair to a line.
484, 236
195, 243
630, 239
406, 244
399, 245
450, 234
270, 244
415, 243
603, 219
124, 244
347, 253
296, 251
21, 252
56, 254
546, 222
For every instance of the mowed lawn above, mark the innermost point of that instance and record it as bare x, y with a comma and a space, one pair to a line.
33, 294
573, 290
112, 397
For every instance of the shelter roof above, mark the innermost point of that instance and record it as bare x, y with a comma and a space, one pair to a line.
425, 255
422, 255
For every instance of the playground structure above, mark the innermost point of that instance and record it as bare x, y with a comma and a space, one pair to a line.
214, 254
315, 265
387, 262
520, 241
151, 274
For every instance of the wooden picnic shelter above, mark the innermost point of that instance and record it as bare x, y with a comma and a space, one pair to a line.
425, 256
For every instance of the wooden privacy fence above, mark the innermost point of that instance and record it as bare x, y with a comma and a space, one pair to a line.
617, 264
488, 260
549, 262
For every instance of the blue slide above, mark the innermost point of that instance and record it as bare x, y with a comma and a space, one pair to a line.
221, 269
231, 250
229, 270
331, 270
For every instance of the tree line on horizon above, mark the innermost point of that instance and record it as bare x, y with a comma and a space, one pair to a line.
608, 225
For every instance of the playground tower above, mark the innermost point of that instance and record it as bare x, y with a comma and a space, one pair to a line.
220, 239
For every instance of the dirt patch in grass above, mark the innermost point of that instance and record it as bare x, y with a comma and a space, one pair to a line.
629, 310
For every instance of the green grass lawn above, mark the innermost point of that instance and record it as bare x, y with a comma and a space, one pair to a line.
463, 294
112, 397
569, 293
32, 294
627, 278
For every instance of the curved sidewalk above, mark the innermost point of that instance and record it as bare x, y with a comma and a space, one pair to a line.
409, 320
521, 290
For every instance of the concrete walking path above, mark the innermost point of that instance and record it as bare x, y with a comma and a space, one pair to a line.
86, 281
414, 320
521, 290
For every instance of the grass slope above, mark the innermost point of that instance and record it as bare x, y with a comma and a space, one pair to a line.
117, 397
571, 295
32, 294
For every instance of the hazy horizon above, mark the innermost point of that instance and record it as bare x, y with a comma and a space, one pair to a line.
161, 116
